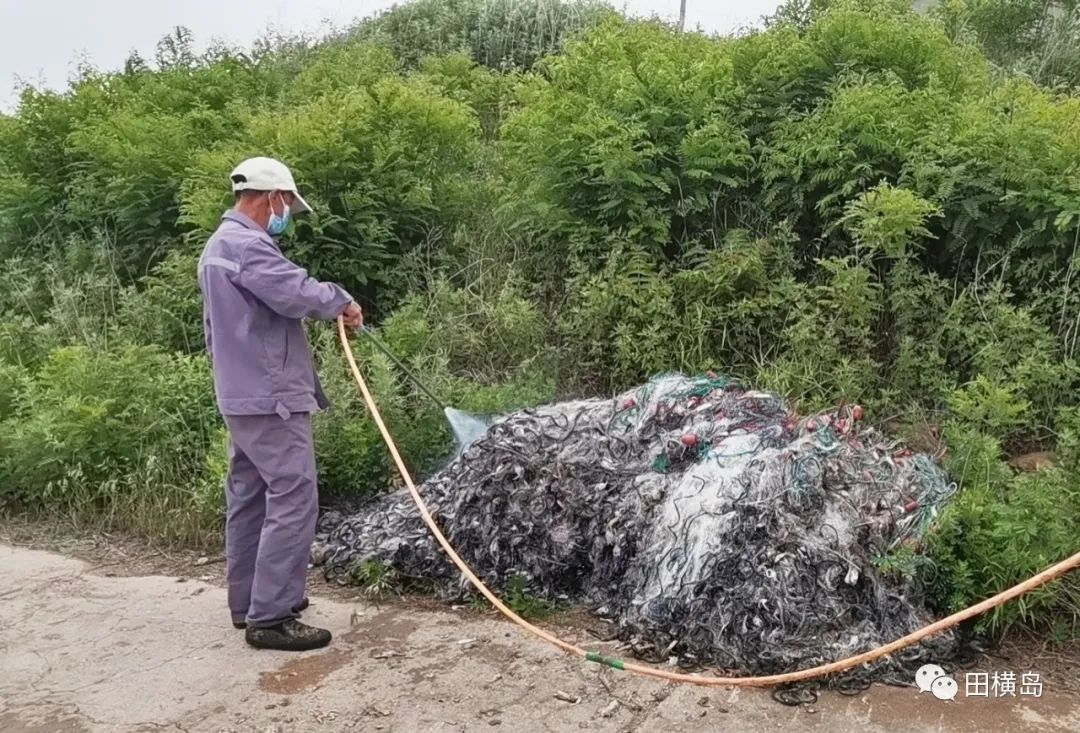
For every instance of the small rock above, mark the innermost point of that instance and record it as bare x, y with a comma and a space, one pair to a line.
181, 580
1033, 461
567, 697
494, 721
205, 578
703, 701
204, 560
703, 713
609, 709
386, 655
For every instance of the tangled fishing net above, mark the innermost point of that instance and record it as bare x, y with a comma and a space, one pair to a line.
712, 525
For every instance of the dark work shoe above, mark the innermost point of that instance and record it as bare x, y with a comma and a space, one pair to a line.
290, 636
239, 623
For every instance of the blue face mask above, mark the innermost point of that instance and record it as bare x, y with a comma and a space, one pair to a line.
276, 225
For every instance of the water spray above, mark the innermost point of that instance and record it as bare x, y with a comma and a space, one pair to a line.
467, 428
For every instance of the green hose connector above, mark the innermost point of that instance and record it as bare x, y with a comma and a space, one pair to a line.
606, 661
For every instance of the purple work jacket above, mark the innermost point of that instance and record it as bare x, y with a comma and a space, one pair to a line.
254, 303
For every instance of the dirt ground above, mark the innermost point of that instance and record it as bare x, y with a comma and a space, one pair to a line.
109, 634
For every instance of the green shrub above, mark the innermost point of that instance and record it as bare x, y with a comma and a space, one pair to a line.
14, 382
991, 409
482, 336
165, 308
353, 459
1034, 37
1000, 532
631, 136
350, 454
24, 342
1003, 527
985, 334
89, 422
376, 579
496, 33
380, 165
830, 342
1068, 444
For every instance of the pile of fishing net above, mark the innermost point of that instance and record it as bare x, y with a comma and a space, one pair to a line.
708, 522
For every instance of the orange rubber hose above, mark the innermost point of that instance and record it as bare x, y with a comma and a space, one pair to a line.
1052, 572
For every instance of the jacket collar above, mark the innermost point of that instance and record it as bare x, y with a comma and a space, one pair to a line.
242, 219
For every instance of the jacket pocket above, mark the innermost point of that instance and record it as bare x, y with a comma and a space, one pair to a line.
285, 355
276, 351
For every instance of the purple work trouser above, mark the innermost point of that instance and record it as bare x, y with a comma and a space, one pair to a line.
272, 498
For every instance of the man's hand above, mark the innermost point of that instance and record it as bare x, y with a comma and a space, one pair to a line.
352, 316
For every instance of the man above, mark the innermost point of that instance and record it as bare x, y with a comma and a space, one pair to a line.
254, 303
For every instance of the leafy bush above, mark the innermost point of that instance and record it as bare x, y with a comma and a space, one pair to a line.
495, 33
14, 382
166, 307
90, 428
108, 413
632, 135
380, 166
1033, 37
990, 409
1001, 530
352, 458
1004, 527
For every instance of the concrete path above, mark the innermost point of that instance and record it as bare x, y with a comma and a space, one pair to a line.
84, 652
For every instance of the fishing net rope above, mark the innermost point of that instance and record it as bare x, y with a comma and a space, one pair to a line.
712, 525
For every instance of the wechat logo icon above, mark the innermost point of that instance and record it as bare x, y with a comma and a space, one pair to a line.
932, 678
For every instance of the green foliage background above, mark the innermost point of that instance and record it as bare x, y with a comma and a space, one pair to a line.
541, 199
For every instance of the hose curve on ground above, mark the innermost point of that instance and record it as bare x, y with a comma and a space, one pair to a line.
1047, 575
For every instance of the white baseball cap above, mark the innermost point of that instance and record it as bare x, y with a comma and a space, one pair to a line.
267, 174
